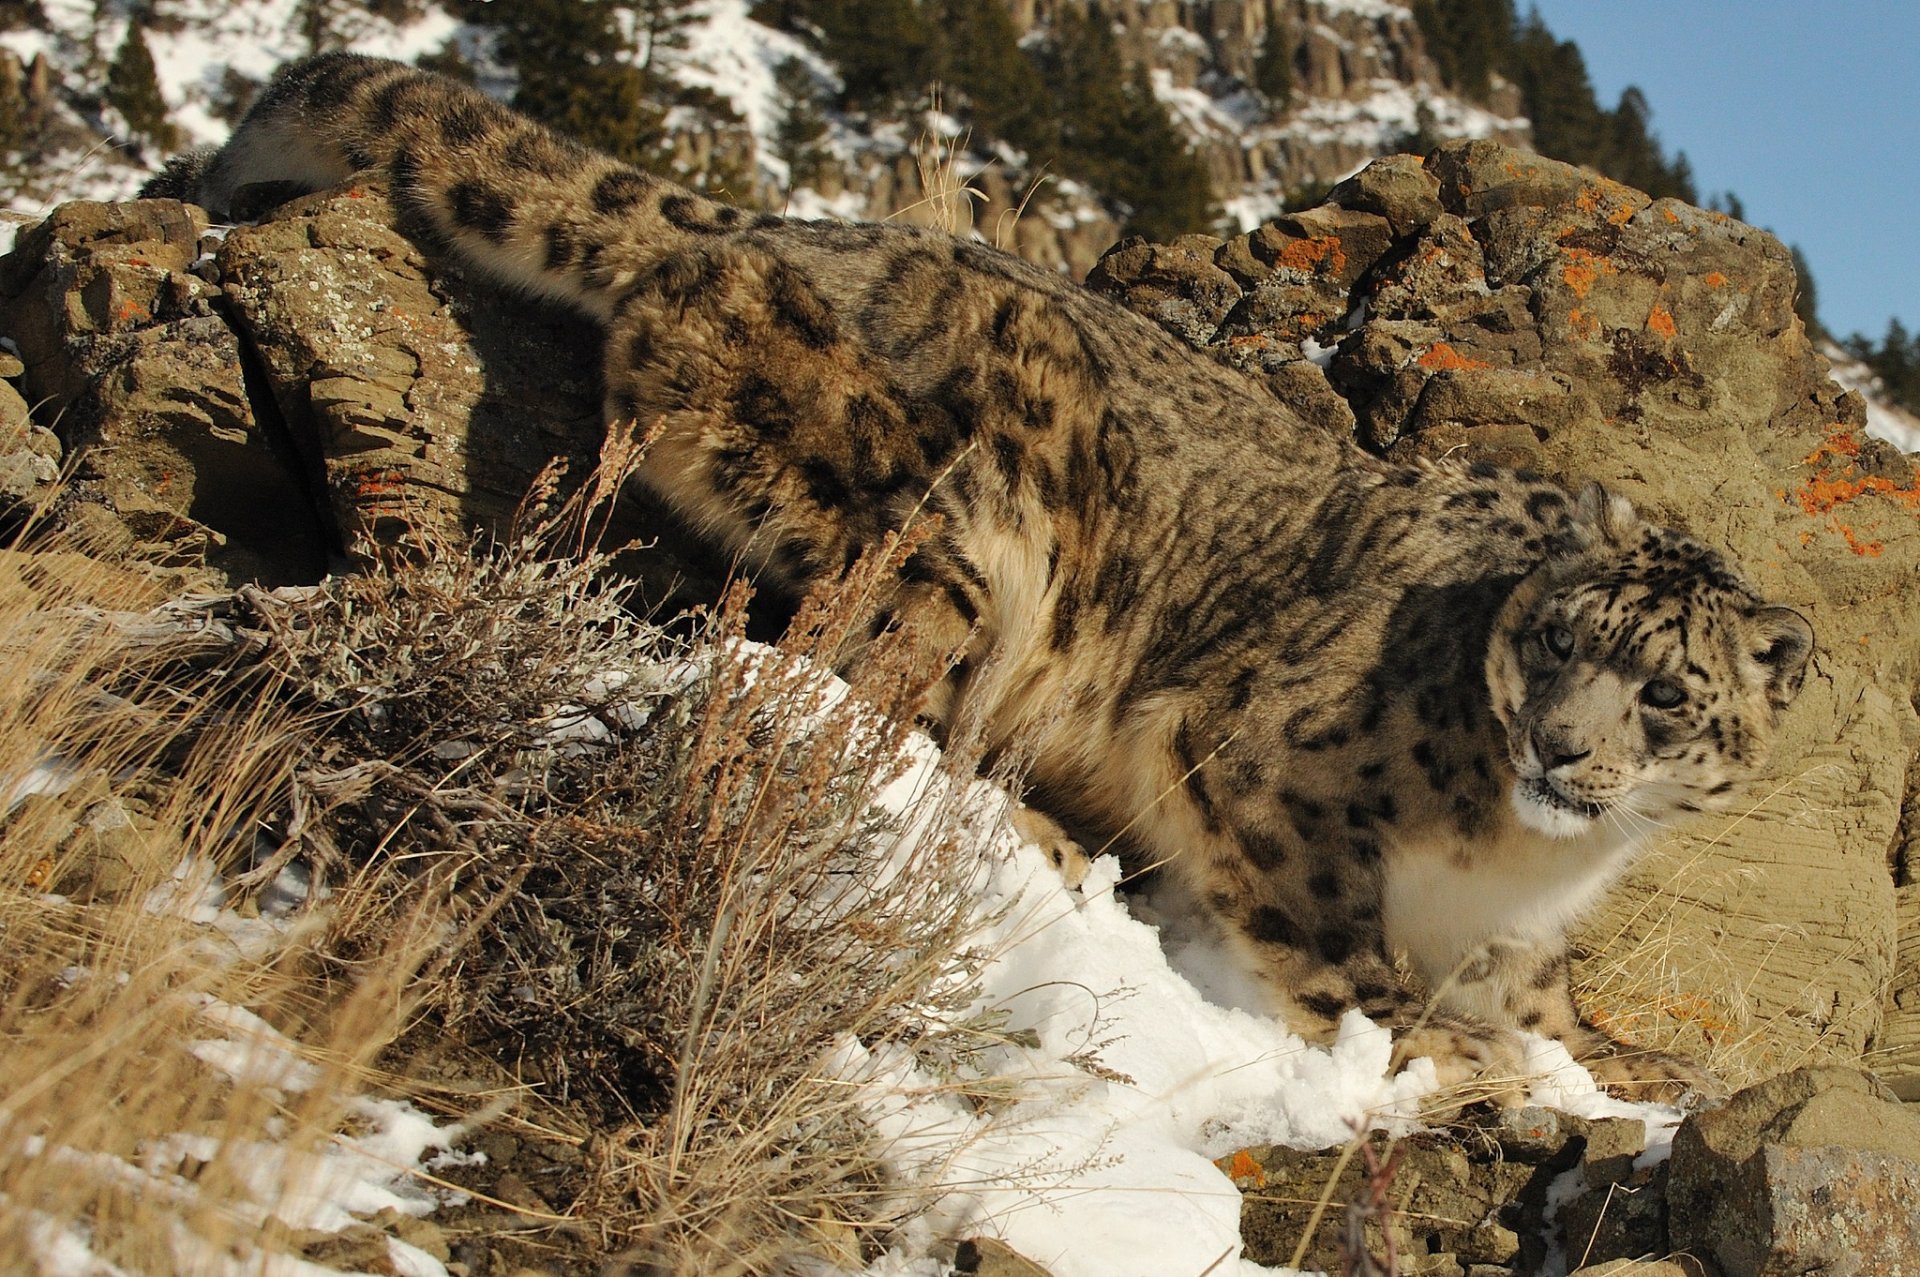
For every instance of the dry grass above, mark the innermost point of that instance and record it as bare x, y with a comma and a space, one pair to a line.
106, 986
640, 871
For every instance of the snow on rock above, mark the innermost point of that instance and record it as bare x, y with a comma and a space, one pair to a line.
734, 56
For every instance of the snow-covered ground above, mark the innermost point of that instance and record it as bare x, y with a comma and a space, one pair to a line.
1109, 1171
1131, 1053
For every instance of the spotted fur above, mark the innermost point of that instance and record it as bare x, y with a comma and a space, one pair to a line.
1363, 710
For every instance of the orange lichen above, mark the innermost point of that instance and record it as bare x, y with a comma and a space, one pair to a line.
1840, 444
1584, 269
1670, 215
1660, 322
1318, 253
1839, 481
1714, 279
1697, 1010
1242, 1168
1444, 358
1621, 216
1583, 325
133, 310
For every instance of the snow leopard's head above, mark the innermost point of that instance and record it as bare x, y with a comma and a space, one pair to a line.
1637, 677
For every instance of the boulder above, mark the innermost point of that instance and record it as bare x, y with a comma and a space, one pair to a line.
126, 354
1813, 1171
1513, 309
302, 391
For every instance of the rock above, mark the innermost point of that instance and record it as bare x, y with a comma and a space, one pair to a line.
1639, 1268
1177, 284
1899, 1058
423, 404
1399, 188
1613, 1220
1452, 1205
126, 348
1813, 1171
1533, 314
991, 1257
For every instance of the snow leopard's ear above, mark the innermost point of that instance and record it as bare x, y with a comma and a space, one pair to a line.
1781, 644
1607, 516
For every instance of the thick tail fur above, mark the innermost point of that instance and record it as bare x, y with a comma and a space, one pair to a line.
509, 196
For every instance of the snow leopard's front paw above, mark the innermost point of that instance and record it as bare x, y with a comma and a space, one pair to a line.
1474, 1064
1044, 832
1635, 1073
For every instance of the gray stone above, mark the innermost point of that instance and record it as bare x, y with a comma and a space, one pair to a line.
1813, 1171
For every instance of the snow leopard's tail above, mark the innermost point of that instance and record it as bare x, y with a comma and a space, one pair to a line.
508, 195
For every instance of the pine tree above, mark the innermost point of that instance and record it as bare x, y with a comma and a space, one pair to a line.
1468, 40
886, 50
999, 89
574, 77
1116, 136
1273, 65
133, 89
1806, 300
657, 25
1157, 174
802, 125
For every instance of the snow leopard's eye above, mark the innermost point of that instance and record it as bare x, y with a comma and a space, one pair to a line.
1558, 640
1662, 693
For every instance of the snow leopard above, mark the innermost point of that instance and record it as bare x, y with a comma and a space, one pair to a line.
1394, 727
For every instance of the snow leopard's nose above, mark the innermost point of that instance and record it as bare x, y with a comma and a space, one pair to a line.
1554, 750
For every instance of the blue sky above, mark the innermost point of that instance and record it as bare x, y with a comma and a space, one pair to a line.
1809, 112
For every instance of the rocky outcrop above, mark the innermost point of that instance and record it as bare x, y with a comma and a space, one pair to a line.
1811, 1171
1490, 304
1362, 75
302, 391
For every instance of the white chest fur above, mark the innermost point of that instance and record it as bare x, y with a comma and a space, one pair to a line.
1446, 898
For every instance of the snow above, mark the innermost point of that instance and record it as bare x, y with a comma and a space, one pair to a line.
1125, 1050
1376, 9
736, 57
1131, 1053
1388, 112
327, 1188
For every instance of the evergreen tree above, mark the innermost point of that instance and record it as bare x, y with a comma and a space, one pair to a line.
886, 50
999, 89
1468, 40
1164, 183
1116, 136
133, 89
1806, 300
575, 75
657, 25
1729, 203
1895, 361
1273, 65
802, 124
